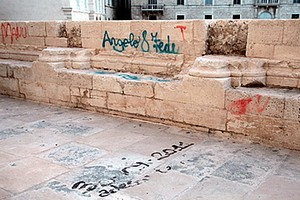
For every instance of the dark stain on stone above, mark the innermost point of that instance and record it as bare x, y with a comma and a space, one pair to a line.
74, 37
227, 38
62, 33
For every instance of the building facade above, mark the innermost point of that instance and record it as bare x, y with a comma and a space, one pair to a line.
76, 10
214, 9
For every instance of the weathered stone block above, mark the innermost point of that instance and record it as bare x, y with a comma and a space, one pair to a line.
178, 31
269, 128
106, 83
260, 50
163, 109
32, 40
195, 90
99, 102
115, 29
264, 102
3, 70
292, 107
32, 90
44, 72
282, 81
75, 79
125, 103
56, 29
291, 34
56, 42
75, 91
291, 136
92, 43
56, 92
37, 29
92, 29
138, 88
287, 52
259, 32
9, 86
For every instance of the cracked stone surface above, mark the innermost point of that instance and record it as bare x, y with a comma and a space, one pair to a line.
50, 153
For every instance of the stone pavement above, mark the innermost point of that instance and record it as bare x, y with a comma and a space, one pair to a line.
56, 153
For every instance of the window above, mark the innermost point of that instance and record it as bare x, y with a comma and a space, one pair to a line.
180, 17
207, 16
296, 1
152, 17
208, 2
236, 17
152, 1
295, 16
180, 2
236, 1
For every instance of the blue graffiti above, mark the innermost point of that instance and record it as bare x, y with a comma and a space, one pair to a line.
140, 42
133, 77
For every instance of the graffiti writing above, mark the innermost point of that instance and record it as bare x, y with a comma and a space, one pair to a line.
167, 152
255, 104
182, 29
108, 186
14, 32
141, 43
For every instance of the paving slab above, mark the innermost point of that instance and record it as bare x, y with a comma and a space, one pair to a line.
49, 152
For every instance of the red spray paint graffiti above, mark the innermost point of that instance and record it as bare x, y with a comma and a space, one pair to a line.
182, 29
15, 32
241, 106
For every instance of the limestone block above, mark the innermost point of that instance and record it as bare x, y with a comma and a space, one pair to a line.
24, 73
37, 29
56, 42
91, 29
291, 136
92, 43
163, 109
260, 50
291, 34
292, 107
75, 79
73, 30
56, 92
3, 70
287, 52
56, 29
44, 72
98, 93
75, 91
178, 31
203, 116
99, 102
106, 83
210, 67
200, 33
254, 126
9, 86
195, 90
125, 103
31, 90
262, 102
32, 40
265, 32
116, 29
138, 88
282, 81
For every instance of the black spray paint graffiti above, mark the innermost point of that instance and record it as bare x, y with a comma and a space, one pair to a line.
110, 186
168, 152
140, 42
107, 187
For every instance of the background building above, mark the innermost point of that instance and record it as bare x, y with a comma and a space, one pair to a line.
64, 9
215, 9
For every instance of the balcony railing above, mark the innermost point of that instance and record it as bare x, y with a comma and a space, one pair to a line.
266, 2
153, 7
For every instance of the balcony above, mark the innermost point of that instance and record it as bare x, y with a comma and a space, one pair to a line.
267, 2
153, 7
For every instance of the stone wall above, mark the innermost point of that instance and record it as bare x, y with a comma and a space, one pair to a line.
159, 71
